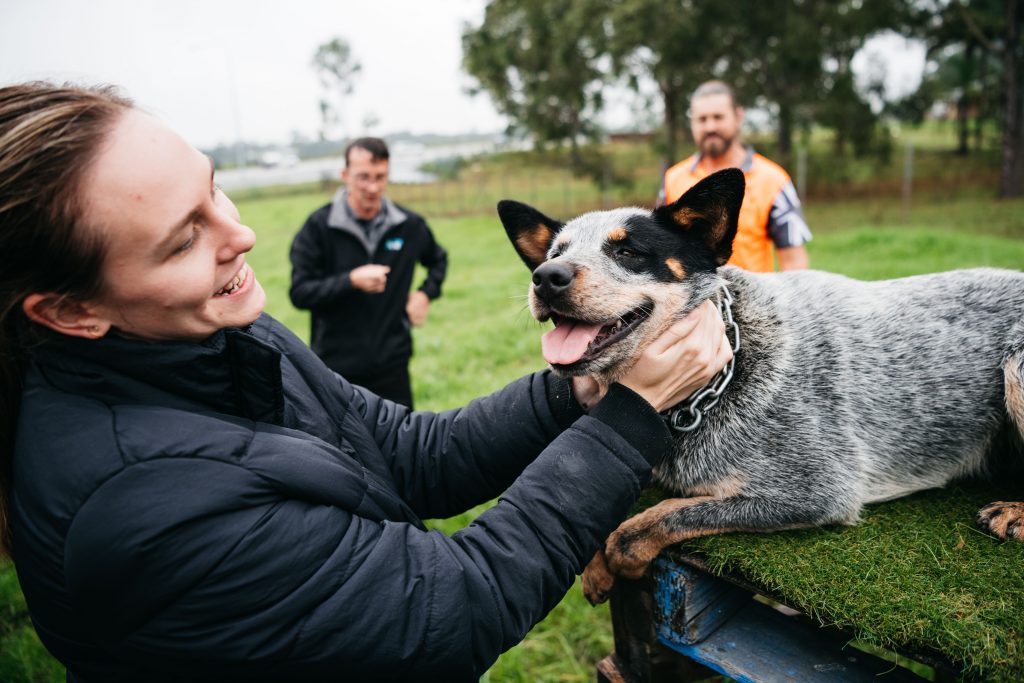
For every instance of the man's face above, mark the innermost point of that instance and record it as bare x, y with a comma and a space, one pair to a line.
367, 180
715, 123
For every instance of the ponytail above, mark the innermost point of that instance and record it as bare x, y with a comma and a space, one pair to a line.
49, 135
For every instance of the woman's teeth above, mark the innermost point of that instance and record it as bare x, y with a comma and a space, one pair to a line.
230, 287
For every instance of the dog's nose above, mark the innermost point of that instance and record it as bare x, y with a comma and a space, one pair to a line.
551, 279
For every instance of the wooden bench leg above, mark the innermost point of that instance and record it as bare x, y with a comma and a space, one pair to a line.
638, 656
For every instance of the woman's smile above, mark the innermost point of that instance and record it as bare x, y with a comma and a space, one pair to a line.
237, 283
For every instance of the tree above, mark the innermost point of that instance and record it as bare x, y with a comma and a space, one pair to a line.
677, 46
985, 37
540, 63
336, 69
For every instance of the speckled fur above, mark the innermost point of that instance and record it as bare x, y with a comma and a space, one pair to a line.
845, 392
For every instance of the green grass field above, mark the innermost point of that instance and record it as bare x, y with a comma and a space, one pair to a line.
480, 336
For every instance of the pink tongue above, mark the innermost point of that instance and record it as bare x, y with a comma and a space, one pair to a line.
568, 342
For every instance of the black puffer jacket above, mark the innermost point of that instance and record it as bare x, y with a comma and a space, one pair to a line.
232, 510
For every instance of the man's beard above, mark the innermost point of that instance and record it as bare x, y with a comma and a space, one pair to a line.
715, 145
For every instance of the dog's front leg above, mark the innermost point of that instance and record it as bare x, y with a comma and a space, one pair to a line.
597, 579
639, 539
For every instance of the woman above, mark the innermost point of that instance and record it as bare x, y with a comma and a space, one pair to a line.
192, 495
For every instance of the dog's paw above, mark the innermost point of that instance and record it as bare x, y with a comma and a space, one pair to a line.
629, 551
1003, 520
597, 580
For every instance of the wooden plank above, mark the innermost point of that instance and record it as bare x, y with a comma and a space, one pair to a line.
690, 604
760, 645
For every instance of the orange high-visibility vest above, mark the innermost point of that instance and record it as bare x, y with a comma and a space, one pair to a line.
752, 248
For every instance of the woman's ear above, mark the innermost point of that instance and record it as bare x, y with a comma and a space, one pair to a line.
64, 315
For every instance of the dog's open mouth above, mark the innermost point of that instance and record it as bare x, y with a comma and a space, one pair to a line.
574, 340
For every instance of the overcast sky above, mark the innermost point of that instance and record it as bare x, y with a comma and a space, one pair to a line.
218, 70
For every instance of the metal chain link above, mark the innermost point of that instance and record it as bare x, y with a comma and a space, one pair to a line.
688, 415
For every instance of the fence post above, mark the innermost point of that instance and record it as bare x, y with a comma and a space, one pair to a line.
908, 179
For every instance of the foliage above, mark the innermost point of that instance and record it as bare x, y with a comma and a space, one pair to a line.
977, 50
545, 64
677, 47
539, 62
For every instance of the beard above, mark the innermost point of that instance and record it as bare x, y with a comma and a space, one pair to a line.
715, 145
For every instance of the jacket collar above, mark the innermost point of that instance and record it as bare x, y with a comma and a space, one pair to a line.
340, 217
235, 371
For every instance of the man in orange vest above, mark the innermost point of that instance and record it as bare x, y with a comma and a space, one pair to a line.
770, 215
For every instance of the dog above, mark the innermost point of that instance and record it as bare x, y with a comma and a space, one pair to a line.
842, 392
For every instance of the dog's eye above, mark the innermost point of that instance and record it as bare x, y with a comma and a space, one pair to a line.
626, 253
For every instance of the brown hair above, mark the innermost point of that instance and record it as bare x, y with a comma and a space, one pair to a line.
715, 87
377, 148
49, 135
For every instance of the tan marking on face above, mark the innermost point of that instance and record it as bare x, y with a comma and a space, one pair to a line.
617, 235
676, 267
534, 243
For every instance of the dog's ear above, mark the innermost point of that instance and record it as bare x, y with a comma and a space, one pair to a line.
531, 231
710, 211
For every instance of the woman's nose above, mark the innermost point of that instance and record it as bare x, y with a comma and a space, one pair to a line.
238, 239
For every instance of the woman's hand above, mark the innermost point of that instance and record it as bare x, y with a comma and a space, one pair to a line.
682, 360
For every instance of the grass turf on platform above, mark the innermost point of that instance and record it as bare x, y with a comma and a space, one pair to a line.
914, 575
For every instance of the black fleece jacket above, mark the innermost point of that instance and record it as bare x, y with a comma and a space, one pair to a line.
232, 510
356, 333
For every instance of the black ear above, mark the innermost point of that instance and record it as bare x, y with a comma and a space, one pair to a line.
531, 231
709, 210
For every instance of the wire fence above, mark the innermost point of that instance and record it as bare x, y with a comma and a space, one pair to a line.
555, 189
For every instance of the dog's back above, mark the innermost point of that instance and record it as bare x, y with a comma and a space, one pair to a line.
874, 389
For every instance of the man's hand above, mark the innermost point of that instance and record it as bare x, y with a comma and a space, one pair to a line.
370, 278
416, 308
682, 360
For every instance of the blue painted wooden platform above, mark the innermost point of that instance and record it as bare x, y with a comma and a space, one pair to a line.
710, 625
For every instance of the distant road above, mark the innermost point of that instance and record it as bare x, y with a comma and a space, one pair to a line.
405, 163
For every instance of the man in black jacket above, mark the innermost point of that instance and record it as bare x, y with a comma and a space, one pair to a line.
352, 267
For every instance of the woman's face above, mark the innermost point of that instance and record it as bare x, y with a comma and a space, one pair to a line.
175, 265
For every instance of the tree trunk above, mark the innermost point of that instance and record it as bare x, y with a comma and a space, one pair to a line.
1012, 172
785, 139
961, 124
982, 101
671, 124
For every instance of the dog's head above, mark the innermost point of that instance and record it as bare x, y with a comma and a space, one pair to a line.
613, 281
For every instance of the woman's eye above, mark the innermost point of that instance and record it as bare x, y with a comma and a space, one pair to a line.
191, 242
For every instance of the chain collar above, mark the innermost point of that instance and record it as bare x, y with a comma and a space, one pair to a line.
688, 415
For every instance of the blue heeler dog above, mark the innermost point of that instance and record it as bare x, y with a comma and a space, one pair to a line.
841, 392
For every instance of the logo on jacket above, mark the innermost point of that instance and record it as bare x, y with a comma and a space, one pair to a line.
394, 244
